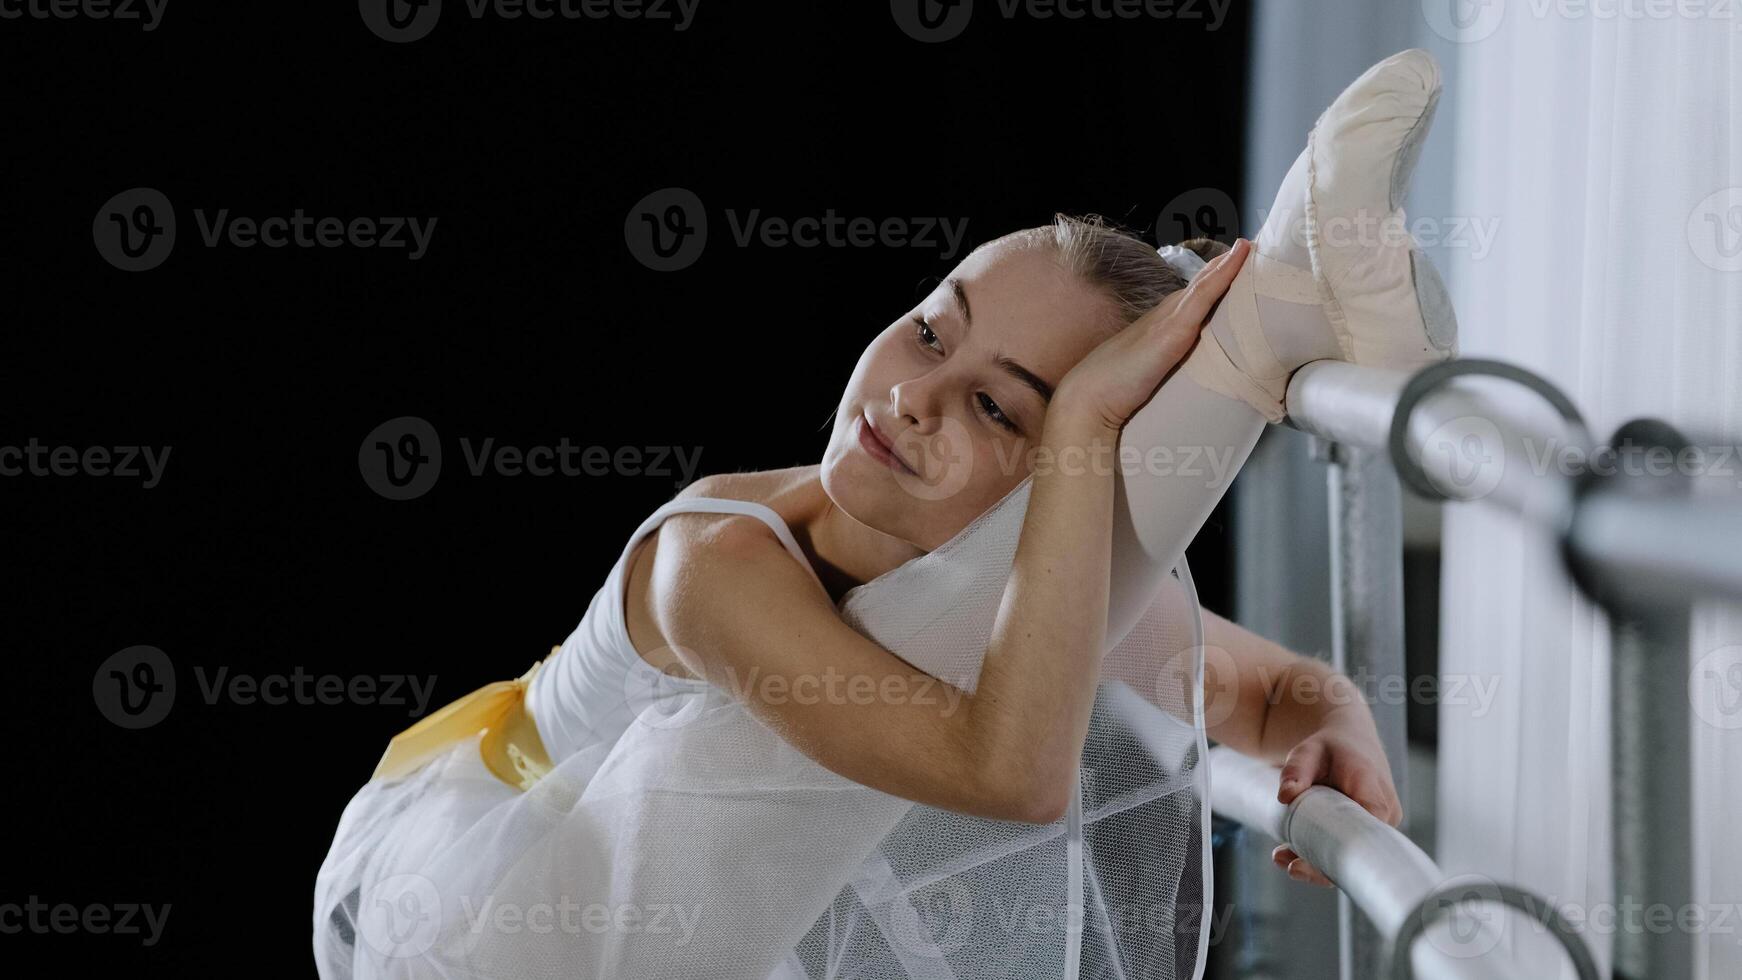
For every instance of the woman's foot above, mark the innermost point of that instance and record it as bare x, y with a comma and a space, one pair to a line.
1334, 272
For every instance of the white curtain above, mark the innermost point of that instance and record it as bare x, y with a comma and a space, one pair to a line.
1602, 142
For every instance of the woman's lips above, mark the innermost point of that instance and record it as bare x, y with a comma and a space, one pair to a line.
879, 450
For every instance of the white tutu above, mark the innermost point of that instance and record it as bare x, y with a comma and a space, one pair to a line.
700, 844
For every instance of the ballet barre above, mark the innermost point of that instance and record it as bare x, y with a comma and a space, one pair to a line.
1409, 901
1635, 534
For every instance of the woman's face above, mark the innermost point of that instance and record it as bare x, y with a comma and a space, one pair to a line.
957, 390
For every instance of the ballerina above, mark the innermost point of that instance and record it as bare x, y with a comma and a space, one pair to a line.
656, 799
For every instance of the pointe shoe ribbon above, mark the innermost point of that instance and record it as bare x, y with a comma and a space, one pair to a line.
1264, 385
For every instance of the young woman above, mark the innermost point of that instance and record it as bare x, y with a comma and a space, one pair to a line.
1015, 388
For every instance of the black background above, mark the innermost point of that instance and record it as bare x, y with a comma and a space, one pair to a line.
528, 321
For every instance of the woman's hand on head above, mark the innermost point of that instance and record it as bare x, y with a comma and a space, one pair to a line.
1119, 377
1347, 757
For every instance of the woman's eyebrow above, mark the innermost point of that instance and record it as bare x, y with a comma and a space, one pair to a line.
1025, 376
961, 296
1009, 364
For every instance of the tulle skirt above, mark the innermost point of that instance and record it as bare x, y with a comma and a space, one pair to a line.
667, 853
659, 857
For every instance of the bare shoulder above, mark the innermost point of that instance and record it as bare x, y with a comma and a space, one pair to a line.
787, 492
773, 488
689, 555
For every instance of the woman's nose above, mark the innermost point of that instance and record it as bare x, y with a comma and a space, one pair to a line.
914, 404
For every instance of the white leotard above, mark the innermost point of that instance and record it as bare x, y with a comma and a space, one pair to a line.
589, 691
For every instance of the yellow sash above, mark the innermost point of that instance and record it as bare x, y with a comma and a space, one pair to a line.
511, 747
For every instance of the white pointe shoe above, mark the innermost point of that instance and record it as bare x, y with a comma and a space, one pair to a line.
1334, 271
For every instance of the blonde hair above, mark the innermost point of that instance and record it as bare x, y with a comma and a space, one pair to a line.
1112, 259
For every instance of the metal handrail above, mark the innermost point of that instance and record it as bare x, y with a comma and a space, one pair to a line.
1669, 548
1642, 548
1386, 875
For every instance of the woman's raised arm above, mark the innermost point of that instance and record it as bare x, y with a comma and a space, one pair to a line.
736, 609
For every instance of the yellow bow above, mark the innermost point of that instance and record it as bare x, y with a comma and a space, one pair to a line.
510, 745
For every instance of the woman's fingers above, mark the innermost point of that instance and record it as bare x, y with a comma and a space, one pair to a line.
1306, 764
1298, 867
1358, 779
1211, 283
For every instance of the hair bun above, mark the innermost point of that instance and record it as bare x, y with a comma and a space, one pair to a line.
1205, 248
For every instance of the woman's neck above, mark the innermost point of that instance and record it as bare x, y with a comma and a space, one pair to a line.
844, 552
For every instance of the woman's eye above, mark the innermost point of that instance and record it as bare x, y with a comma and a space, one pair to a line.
927, 336
995, 413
